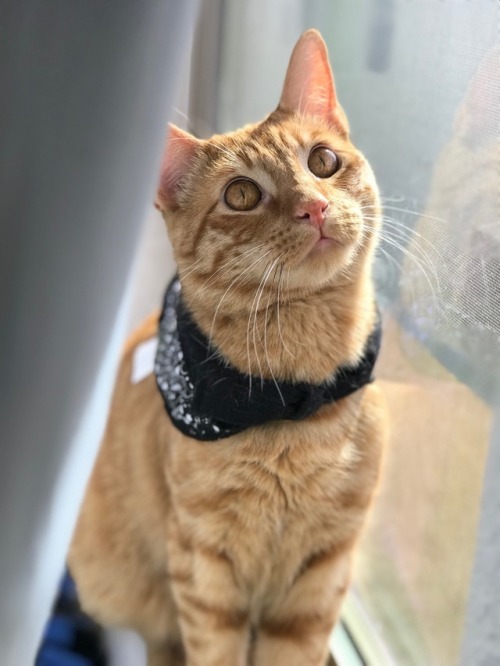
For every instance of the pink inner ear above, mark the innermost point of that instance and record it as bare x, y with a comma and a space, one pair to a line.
309, 87
180, 151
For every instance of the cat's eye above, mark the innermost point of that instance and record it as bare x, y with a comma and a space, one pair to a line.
323, 162
242, 194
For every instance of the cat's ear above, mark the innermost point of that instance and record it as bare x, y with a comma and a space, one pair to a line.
309, 86
180, 151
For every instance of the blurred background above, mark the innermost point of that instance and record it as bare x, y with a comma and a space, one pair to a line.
420, 82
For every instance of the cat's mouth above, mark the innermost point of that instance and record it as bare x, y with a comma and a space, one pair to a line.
323, 242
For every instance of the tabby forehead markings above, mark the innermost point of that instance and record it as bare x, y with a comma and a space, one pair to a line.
275, 149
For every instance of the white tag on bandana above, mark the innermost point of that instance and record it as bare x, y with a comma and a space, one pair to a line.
144, 360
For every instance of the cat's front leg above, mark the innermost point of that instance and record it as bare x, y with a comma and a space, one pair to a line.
295, 632
170, 653
212, 611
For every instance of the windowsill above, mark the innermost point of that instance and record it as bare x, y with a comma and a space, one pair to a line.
414, 562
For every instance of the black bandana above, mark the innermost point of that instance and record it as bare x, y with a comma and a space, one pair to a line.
207, 399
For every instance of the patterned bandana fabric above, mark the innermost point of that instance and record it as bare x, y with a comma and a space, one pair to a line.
208, 400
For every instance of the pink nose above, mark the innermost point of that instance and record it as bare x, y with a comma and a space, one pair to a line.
312, 212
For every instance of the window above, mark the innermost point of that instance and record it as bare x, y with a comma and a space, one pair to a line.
420, 81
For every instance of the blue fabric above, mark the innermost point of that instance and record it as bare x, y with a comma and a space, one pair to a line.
61, 631
68, 588
55, 656
71, 638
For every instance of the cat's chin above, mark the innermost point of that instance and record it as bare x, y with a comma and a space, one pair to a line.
323, 263
328, 250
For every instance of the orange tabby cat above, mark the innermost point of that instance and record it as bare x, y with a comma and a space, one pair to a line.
239, 550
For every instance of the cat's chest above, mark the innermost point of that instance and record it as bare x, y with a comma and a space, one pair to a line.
291, 507
270, 495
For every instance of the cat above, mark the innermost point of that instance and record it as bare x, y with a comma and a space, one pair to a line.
238, 551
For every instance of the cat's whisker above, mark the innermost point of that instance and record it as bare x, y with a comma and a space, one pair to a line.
416, 213
408, 211
391, 221
276, 266
399, 199
389, 256
257, 301
192, 267
417, 262
399, 266
234, 260
288, 284
280, 333
406, 235
238, 277
180, 113
399, 231
185, 272
248, 340
431, 262
226, 265
248, 343
289, 301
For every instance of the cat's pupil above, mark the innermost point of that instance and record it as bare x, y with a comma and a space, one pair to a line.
242, 194
323, 162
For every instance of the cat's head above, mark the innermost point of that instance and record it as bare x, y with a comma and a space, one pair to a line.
288, 197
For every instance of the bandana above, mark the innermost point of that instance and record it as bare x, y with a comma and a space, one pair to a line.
207, 399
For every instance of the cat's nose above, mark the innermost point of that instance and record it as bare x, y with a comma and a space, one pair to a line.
312, 212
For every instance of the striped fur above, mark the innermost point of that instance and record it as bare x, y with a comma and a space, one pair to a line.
239, 551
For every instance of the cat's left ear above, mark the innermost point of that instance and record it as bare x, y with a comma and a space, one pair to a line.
309, 87
180, 152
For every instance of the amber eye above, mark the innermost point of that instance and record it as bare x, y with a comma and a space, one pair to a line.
323, 162
242, 194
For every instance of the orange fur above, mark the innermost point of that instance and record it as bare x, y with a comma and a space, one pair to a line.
202, 546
